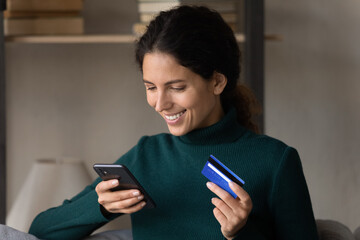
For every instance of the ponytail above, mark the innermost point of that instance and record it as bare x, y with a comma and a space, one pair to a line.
246, 105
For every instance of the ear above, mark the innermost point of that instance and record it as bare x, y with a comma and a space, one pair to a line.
220, 82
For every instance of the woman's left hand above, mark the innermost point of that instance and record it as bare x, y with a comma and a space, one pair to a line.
231, 213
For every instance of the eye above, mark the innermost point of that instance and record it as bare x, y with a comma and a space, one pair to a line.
178, 89
150, 88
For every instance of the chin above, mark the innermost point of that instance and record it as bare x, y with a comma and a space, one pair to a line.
177, 132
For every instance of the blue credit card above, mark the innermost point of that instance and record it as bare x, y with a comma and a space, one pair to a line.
219, 174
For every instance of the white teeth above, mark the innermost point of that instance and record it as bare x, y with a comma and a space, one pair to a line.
174, 117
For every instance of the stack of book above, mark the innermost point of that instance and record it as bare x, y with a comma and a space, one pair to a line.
43, 17
148, 9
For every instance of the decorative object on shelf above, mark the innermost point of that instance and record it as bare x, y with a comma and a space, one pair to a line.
40, 17
48, 184
148, 9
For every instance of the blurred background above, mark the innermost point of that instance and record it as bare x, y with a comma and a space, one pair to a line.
87, 100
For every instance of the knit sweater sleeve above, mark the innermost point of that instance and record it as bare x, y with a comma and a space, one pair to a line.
77, 217
290, 200
74, 219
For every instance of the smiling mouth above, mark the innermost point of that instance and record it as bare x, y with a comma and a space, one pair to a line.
175, 116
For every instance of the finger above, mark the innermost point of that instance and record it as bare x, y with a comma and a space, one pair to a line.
221, 193
106, 185
124, 204
223, 208
240, 192
220, 217
109, 196
134, 208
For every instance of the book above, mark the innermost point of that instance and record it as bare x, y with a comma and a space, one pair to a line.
157, 6
140, 28
228, 17
43, 26
147, 17
149, 9
158, 1
220, 6
44, 5
154, 7
27, 14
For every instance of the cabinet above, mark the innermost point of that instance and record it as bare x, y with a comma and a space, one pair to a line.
253, 48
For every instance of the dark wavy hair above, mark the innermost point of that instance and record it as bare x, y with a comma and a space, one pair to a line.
201, 40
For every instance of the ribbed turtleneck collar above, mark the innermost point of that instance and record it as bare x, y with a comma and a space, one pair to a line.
226, 130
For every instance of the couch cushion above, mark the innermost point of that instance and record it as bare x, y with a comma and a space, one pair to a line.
13, 234
124, 234
333, 230
357, 233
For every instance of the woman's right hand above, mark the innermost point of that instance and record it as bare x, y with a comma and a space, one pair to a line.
122, 201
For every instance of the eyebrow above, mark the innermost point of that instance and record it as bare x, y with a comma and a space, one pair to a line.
167, 83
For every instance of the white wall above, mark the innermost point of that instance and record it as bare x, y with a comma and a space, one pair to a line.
312, 97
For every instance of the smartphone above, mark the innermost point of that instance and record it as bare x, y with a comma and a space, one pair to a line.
125, 177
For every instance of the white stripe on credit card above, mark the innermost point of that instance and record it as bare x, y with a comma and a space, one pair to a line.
219, 173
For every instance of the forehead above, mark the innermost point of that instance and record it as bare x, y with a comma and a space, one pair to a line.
158, 66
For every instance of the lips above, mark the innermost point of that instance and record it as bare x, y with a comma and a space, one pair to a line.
174, 117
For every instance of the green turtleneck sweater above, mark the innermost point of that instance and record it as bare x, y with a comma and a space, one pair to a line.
169, 168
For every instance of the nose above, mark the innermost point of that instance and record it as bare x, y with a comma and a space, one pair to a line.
163, 102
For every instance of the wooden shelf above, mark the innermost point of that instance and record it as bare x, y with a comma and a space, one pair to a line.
119, 38
71, 39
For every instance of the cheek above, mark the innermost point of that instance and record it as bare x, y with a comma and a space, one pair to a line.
203, 99
151, 100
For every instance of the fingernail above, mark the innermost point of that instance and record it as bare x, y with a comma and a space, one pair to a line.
231, 184
136, 193
209, 184
143, 204
114, 182
140, 197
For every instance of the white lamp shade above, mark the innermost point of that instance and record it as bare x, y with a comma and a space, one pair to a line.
48, 184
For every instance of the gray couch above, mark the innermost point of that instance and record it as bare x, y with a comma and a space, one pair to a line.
333, 230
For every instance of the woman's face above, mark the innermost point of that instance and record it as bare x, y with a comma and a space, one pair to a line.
183, 98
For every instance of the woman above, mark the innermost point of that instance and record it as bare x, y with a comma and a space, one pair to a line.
190, 64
